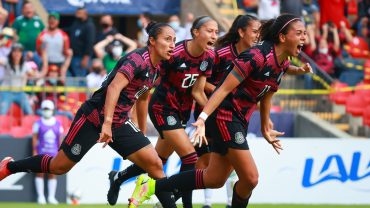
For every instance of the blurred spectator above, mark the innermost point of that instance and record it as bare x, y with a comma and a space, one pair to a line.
142, 22
268, 9
249, 6
97, 75
3, 16
47, 135
14, 9
174, 22
332, 11
6, 39
28, 26
106, 24
188, 24
53, 45
291, 6
326, 51
16, 74
82, 37
111, 49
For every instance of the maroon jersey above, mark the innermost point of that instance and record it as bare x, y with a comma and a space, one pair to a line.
223, 63
261, 72
178, 75
140, 72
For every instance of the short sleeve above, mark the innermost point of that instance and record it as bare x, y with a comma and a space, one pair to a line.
248, 61
132, 66
35, 128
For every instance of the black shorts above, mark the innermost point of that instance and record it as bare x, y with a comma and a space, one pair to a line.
83, 134
226, 134
166, 121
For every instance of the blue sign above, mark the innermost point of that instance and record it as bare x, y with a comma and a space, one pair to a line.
115, 7
341, 174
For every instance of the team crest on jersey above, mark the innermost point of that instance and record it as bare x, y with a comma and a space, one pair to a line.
76, 149
171, 120
239, 138
203, 65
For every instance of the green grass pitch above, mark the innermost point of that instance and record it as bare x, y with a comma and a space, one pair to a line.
34, 205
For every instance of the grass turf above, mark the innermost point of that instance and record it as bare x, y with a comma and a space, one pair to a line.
34, 205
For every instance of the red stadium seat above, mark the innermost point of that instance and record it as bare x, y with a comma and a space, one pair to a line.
20, 132
367, 71
16, 113
29, 120
338, 95
366, 118
355, 105
358, 48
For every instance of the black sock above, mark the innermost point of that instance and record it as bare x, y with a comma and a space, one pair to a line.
34, 164
184, 181
131, 171
167, 199
237, 201
188, 163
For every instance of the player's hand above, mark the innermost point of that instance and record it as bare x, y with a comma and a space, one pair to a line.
199, 135
271, 137
106, 134
306, 68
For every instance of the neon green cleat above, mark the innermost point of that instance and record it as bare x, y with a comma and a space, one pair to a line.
145, 188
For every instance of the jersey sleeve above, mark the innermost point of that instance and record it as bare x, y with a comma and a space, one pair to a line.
248, 61
132, 66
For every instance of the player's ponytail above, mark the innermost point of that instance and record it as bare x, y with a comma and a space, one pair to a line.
271, 29
232, 36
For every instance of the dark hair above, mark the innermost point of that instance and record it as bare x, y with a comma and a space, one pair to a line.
198, 22
154, 28
271, 29
15, 46
232, 36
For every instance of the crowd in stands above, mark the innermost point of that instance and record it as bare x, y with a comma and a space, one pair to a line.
83, 53
338, 37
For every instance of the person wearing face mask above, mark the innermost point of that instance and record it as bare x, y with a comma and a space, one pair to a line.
111, 49
174, 22
97, 74
107, 28
82, 37
46, 137
142, 22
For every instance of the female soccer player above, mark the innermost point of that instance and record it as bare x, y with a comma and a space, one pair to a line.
255, 77
182, 78
103, 118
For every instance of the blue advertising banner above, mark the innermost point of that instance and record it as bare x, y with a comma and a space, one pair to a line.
115, 7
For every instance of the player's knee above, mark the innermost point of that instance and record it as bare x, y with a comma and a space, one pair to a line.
252, 180
155, 164
217, 183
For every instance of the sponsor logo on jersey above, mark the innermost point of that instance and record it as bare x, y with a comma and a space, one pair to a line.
171, 120
239, 138
76, 149
267, 74
183, 65
203, 65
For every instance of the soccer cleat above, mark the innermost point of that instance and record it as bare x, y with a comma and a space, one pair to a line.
4, 171
114, 188
145, 187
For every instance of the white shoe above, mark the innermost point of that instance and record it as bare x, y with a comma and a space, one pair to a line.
52, 200
41, 200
